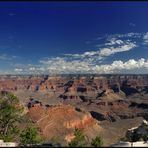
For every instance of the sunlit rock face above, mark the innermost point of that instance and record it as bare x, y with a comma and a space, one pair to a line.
60, 120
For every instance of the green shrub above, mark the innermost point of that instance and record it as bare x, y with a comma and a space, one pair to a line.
30, 135
97, 142
79, 140
10, 115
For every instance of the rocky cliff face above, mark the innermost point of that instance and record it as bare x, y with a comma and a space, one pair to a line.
72, 86
79, 123
59, 120
120, 109
110, 97
38, 83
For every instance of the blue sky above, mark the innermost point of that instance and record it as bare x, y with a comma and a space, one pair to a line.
73, 37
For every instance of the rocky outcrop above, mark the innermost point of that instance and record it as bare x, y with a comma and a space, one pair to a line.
59, 120
80, 123
138, 133
118, 109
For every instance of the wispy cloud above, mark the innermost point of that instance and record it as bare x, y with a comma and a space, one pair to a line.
112, 45
18, 69
132, 24
112, 50
7, 57
92, 61
114, 41
145, 38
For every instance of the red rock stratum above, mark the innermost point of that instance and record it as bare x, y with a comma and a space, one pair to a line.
60, 120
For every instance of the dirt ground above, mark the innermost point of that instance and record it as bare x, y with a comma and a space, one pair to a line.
112, 132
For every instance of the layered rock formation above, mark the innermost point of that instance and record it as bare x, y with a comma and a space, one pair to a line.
70, 87
119, 109
110, 97
60, 120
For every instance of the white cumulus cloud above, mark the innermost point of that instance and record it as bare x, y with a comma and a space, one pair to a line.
61, 66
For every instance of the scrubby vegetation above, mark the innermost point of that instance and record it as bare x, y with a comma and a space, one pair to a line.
97, 142
11, 118
80, 140
10, 115
30, 135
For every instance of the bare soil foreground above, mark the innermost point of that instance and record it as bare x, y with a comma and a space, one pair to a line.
112, 132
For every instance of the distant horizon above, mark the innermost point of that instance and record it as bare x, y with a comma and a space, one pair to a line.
68, 74
54, 38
